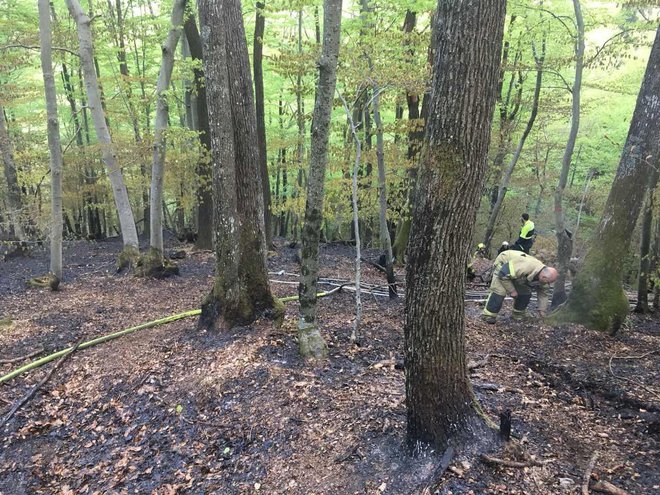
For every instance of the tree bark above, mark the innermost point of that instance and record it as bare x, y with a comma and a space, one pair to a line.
496, 208
126, 219
259, 30
310, 339
385, 240
204, 172
160, 126
452, 169
597, 298
45, 38
13, 190
645, 252
241, 292
564, 240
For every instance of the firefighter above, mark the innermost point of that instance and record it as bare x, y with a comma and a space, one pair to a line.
516, 273
526, 236
504, 247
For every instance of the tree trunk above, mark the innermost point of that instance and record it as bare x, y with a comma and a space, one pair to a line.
13, 190
241, 292
645, 253
204, 172
501, 192
126, 220
385, 240
564, 240
310, 339
45, 37
259, 29
597, 299
160, 126
452, 169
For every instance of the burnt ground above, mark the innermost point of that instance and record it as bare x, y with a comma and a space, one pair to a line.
173, 410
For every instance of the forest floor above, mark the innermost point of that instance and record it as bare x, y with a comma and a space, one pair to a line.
172, 410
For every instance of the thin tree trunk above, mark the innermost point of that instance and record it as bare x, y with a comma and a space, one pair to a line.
204, 172
452, 169
160, 126
309, 337
13, 190
590, 176
564, 240
126, 220
385, 240
45, 37
597, 299
259, 30
645, 253
496, 208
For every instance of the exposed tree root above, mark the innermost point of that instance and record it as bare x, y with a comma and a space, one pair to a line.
48, 281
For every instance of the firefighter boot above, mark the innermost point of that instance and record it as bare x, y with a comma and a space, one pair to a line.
493, 306
520, 307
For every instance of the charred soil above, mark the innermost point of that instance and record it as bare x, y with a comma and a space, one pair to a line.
173, 410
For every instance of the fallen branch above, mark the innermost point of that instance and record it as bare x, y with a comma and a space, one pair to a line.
497, 388
496, 461
608, 488
43, 381
477, 364
587, 474
22, 358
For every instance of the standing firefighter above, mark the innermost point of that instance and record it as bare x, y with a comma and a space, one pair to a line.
526, 236
516, 274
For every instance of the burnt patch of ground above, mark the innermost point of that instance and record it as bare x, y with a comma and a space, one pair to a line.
175, 410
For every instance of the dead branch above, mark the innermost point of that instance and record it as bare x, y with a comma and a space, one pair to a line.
22, 358
477, 364
496, 461
495, 387
43, 381
608, 488
587, 473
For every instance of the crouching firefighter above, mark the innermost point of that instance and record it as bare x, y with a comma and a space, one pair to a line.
517, 274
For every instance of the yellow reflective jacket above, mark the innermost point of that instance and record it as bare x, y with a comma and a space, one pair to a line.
510, 266
527, 230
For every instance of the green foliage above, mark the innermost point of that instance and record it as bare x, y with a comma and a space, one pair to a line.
375, 52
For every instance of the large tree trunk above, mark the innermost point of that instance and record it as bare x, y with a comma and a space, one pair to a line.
452, 169
45, 37
241, 292
257, 62
168, 49
310, 339
126, 220
13, 190
597, 298
564, 240
501, 192
204, 172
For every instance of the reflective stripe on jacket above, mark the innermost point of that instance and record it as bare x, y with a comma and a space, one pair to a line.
524, 269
